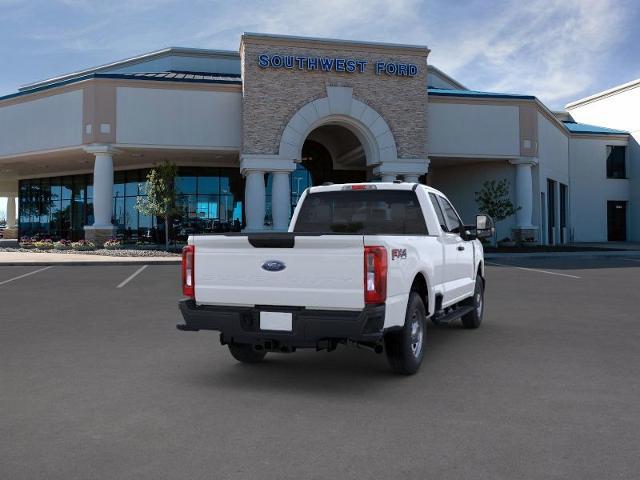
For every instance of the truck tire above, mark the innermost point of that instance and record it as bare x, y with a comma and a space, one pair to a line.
245, 353
473, 319
405, 348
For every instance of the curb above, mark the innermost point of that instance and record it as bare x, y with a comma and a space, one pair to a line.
594, 254
85, 263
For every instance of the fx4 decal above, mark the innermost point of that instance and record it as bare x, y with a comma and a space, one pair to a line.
398, 254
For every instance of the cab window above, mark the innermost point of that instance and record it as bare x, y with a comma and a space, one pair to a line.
439, 214
453, 222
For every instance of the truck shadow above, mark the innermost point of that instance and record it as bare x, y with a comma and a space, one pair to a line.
343, 372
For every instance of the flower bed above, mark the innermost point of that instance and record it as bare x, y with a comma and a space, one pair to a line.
62, 245
113, 244
83, 245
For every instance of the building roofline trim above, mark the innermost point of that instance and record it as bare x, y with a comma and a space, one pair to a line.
335, 41
132, 61
443, 92
603, 94
541, 107
115, 76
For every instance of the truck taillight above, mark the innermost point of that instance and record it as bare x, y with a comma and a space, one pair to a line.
188, 273
375, 274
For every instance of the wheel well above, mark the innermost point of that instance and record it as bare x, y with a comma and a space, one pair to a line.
420, 285
479, 272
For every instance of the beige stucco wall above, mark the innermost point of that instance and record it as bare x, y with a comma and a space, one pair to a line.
272, 96
459, 129
50, 122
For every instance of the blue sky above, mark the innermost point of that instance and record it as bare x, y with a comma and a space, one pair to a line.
558, 50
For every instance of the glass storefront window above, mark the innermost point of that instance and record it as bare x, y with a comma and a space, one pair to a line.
67, 188
210, 200
208, 185
186, 184
131, 185
118, 184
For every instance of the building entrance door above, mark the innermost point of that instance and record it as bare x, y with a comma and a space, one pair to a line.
617, 221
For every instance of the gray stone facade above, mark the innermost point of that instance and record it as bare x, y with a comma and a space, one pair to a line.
272, 96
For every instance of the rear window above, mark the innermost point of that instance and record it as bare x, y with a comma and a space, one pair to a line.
367, 212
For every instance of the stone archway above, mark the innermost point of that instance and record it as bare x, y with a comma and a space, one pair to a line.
340, 108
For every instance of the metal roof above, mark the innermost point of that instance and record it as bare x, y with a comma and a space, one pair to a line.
176, 75
475, 93
145, 57
575, 127
186, 77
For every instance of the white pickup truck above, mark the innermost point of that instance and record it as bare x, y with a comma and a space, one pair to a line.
362, 264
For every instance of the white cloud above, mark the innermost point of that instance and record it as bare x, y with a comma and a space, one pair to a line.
554, 49
548, 48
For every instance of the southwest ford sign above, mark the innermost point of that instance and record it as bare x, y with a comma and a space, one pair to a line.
331, 64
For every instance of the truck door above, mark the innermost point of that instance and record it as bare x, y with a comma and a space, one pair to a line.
458, 253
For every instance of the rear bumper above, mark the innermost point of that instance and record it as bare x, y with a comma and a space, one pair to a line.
310, 328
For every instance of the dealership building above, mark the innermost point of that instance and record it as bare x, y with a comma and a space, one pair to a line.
250, 130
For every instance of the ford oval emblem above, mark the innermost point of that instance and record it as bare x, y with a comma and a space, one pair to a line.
273, 266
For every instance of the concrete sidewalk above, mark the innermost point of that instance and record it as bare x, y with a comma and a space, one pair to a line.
33, 258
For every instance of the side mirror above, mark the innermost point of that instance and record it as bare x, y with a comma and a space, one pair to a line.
484, 226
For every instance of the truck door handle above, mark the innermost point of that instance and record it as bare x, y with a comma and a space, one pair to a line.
460, 248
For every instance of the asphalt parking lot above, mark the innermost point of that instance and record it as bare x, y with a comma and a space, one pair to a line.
96, 383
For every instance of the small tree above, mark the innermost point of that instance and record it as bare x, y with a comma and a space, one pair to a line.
160, 197
494, 200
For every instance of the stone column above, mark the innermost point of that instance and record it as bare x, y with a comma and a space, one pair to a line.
254, 199
388, 177
11, 211
412, 178
253, 167
281, 200
524, 197
11, 232
408, 168
102, 228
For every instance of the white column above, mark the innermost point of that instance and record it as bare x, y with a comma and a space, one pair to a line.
412, 178
254, 199
408, 168
11, 211
388, 177
103, 189
524, 192
281, 200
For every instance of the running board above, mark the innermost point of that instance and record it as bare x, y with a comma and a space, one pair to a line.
454, 314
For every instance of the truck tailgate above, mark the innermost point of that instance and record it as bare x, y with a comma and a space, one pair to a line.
320, 271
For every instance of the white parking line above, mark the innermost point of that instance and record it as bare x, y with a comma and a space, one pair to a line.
132, 276
25, 275
633, 259
533, 270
